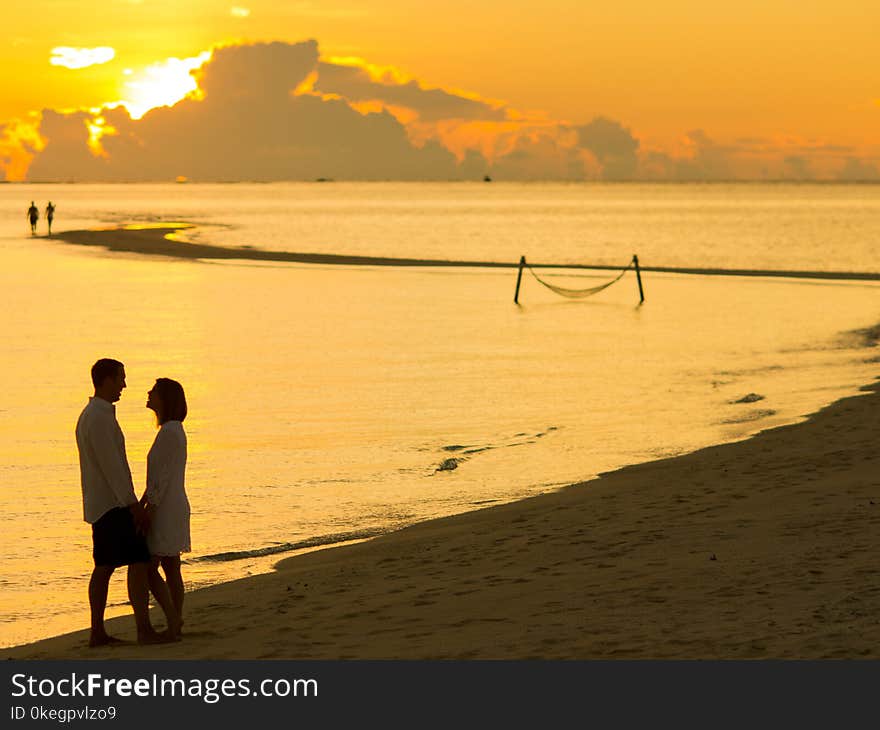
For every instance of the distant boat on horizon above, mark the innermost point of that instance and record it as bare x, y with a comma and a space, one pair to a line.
486, 178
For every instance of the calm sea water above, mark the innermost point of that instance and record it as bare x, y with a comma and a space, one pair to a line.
323, 400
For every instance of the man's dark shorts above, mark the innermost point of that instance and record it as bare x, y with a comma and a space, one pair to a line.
115, 541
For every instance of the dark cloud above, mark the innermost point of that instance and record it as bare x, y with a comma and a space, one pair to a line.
797, 167
67, 148
856, 170
613, 145
258, 71
709, 162
754, 142
247, 126
473, 166
703, 161
257, 119
654, 165
18, 143
541, 157
5, 141
356, 84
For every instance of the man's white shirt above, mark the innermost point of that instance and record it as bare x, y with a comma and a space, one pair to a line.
105, 475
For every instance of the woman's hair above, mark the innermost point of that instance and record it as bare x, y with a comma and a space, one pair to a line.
173, 400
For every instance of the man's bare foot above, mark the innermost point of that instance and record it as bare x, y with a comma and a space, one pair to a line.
153, 637
168, 635
104, 640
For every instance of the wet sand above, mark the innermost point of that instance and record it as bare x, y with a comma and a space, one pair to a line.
765, 548
162, 240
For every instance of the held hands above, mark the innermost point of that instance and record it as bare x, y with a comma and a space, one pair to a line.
141, 517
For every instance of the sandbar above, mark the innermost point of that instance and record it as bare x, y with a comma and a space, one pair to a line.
164, 240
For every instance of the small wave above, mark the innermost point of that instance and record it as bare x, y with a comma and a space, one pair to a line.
287, 547
746, 372
328, 481
467, 451
751, 416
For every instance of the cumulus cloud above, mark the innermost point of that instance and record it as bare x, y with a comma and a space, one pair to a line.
356, 83
856, 170
161, 84
703, 159
613, 145
19, 142
249, 124
549, 154
76, 58
798, 167
782, 158
261, 72
8, 148
278, 111
708, 161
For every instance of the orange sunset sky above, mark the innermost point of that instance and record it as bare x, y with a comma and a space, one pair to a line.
558, 89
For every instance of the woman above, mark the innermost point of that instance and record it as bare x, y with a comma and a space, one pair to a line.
50, 215
165, 496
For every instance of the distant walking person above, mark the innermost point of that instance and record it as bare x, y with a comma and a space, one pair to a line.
165, 497
118, 520
50, 215
33, 216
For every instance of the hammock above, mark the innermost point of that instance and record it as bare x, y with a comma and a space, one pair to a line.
578, 293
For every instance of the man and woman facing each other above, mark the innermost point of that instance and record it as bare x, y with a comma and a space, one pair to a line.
140, 533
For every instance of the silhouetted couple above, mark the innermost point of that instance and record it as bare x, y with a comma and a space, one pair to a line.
33, 215
142, 534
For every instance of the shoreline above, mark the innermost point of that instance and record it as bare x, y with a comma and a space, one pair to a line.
158, 240
761, 548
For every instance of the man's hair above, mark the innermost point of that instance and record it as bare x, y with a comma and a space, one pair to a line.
171, 394
105, 368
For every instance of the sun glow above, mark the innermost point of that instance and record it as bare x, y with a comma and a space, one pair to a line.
161, 84
98, 127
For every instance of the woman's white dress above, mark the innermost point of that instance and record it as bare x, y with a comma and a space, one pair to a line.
166, 465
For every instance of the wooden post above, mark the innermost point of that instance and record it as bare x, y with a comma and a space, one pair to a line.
639, 278
522, 262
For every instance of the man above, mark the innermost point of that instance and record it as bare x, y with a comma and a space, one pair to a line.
119, 522
33, 216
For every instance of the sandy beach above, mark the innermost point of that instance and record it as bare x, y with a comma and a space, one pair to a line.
764, 548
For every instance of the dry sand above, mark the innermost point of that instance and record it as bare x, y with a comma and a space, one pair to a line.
762, 548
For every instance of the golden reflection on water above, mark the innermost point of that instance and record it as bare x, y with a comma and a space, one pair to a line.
322, 398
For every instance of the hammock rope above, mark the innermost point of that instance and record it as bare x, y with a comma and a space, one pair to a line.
579, 293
